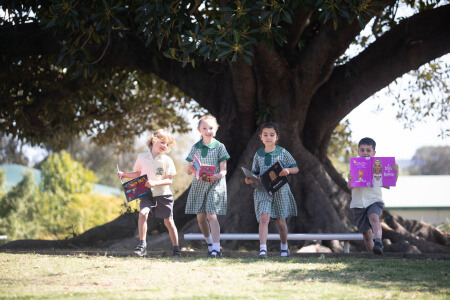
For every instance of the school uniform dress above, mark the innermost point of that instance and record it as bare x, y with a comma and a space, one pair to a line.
281, 204
157, 168
209, 197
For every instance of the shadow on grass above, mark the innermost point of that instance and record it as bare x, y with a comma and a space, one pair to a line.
400, 274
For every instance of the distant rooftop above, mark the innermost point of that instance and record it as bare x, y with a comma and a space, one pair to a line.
14, 174
419, 191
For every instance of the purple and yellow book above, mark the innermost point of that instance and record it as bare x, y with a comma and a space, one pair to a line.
372, 171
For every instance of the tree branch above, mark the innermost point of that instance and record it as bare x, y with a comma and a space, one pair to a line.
27, 39
204, 83
412, 43
317, 60
299, 23
246, 90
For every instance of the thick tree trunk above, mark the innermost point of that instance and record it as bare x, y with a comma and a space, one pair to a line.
320, 192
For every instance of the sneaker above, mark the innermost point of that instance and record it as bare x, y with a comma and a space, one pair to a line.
140, 250
209, 252
285, 253
215, 254
176, 253
262, 254
378, 248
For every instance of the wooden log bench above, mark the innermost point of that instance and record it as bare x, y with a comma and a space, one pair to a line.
346, 237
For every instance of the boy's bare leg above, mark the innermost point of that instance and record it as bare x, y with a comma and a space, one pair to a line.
203, 224
142, 223
368, 241
263, 228
173, 232
374, 221
215, 227
283, 230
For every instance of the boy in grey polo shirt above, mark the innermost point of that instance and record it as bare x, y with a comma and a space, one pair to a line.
367, 203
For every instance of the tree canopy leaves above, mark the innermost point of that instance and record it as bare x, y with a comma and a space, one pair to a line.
67, 67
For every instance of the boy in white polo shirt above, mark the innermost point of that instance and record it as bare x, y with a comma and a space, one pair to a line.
367, 203
159, 169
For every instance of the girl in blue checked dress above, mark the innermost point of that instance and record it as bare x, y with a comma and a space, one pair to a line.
208, 199
281, 204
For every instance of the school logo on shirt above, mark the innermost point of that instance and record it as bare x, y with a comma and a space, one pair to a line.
159, 171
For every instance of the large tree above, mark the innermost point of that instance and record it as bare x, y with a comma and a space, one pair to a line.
88, 66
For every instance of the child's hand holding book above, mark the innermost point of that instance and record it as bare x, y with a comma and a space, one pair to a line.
248, 181
350, 177
284, 172
395, 168
149, 184
216, 177
191, 167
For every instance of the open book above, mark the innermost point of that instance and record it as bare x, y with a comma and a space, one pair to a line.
270, 181
135, 188
203, 172
372, 171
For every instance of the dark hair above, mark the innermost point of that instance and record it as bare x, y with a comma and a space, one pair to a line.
272, 125
367, 141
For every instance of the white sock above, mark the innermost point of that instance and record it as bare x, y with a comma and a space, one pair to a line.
263, 247
143, 243
216, 246
209, 242
284, 247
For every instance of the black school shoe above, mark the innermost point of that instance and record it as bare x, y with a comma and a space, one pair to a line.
215, 254
262, 254
209, 252
176, 252
377, 248
288, 253
140, 250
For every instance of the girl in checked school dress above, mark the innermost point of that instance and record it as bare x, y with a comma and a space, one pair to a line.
281, 204
208, 199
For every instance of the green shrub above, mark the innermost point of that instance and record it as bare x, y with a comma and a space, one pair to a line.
62, 206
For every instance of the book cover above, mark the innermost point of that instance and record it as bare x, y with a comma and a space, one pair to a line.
135, 188
372, 171
203, 172
270, 181
257, 184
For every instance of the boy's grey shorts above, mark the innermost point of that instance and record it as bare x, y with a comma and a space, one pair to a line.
361, 215
160, 206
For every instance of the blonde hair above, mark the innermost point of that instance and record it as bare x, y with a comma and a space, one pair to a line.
207, 117
161, 134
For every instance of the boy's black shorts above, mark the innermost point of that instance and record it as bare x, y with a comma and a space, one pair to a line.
160, 206
361, 215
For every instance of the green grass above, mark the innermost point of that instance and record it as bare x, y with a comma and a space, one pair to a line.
87, 277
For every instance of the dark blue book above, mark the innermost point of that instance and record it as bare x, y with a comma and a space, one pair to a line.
135, 188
